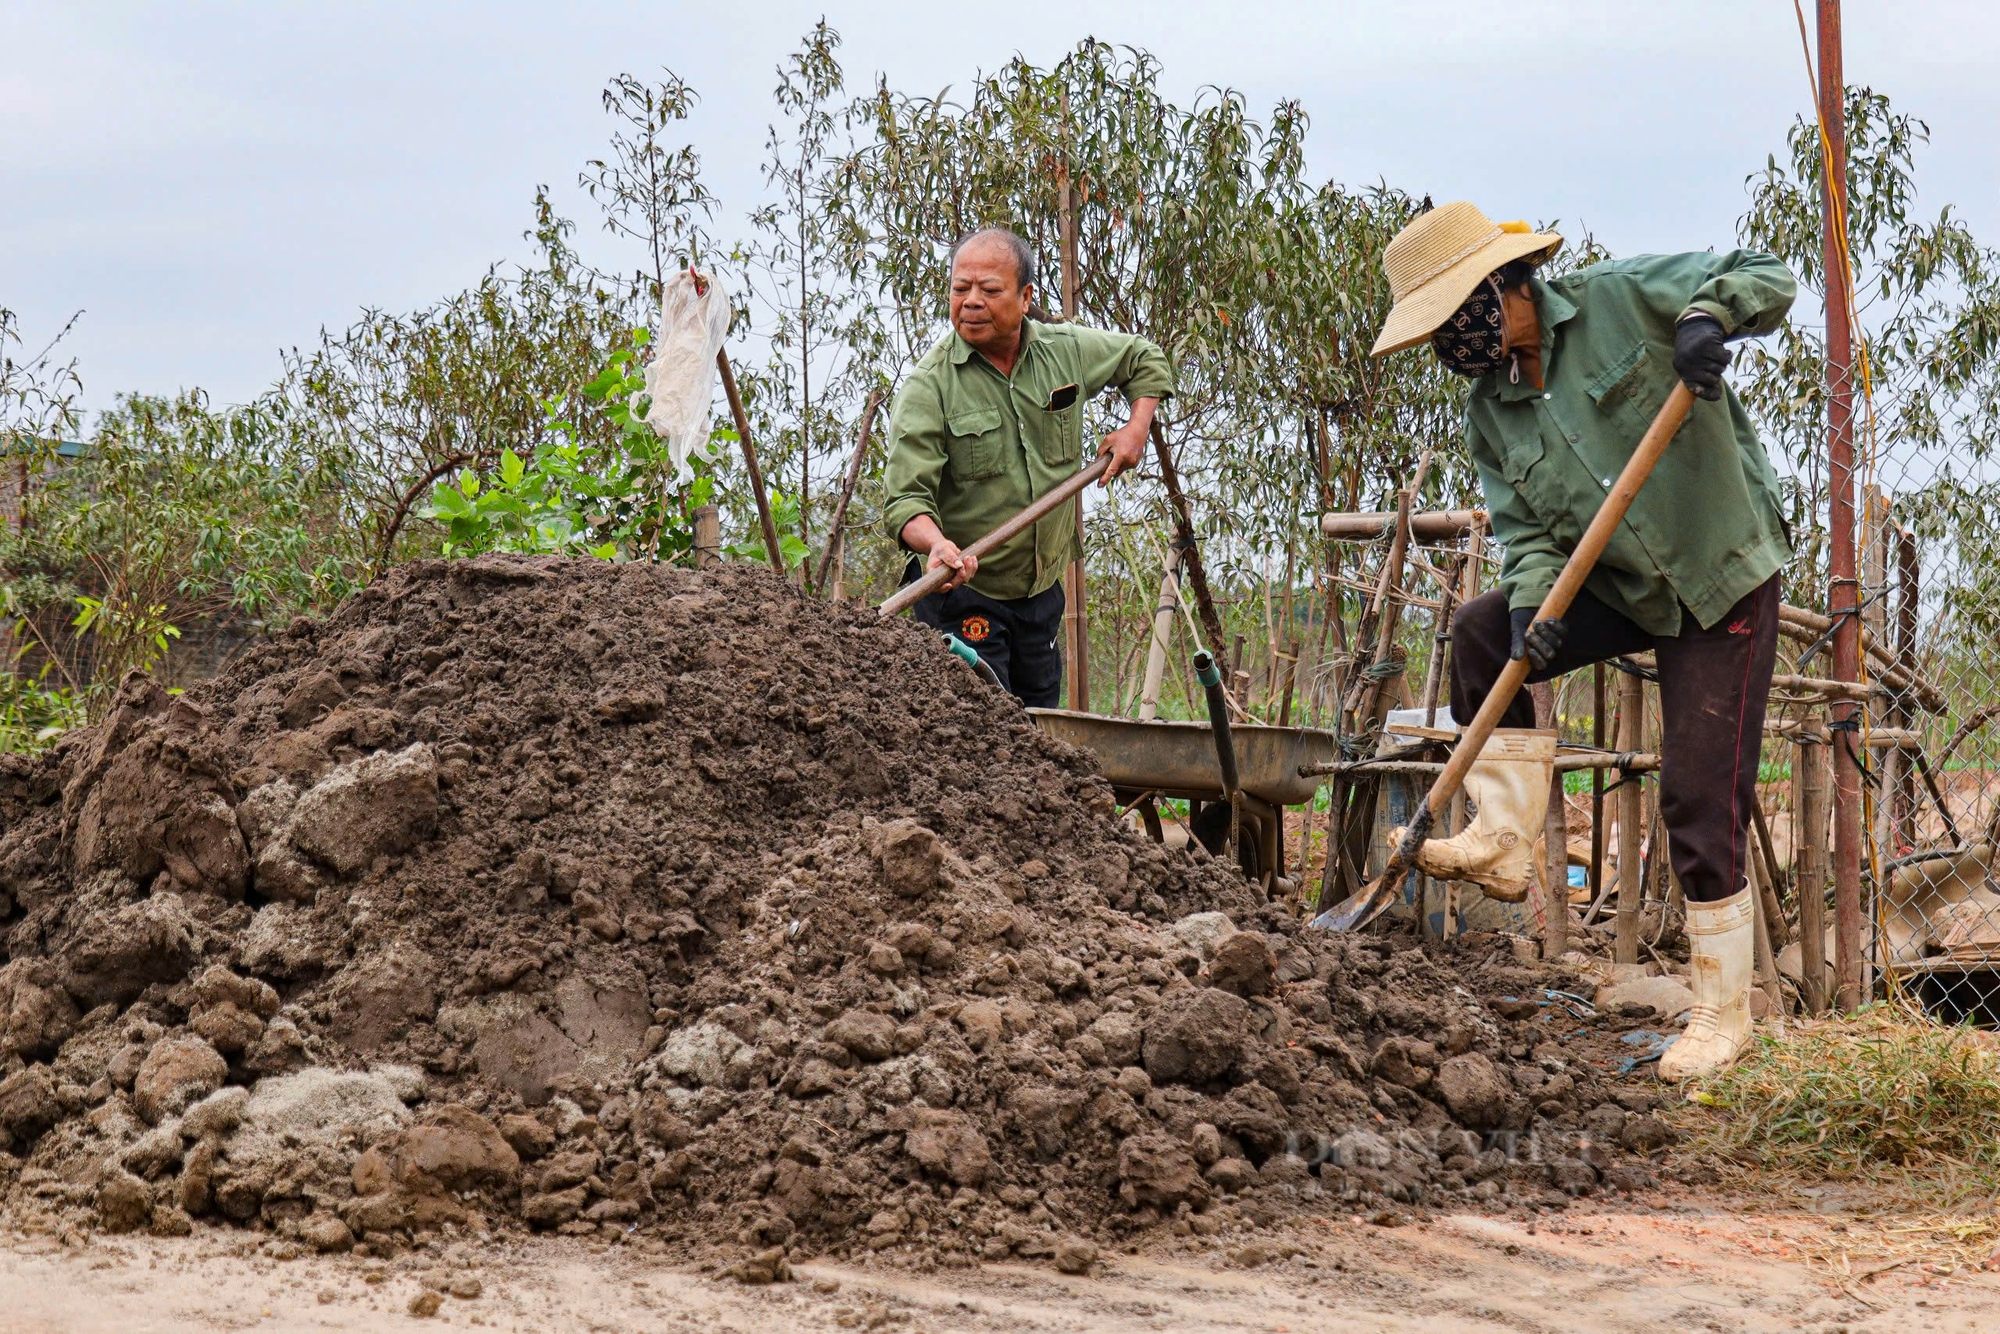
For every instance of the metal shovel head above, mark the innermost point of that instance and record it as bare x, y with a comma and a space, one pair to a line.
1358, 910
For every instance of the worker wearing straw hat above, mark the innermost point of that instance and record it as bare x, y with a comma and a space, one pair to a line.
1566, 373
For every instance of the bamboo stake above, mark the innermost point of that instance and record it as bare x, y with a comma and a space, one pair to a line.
1440, 641
772, 550
1555, 841
1076, 614
1597, 784
1763, 961
1631, 892
1387, 612
1903, 815
835, 532
1809, 857
1163, 629
707, 536
1768, 857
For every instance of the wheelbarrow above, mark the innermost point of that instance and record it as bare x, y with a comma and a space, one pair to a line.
1146, 761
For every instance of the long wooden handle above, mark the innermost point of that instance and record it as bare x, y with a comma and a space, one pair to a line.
1574, 571
1364, 906
932, 580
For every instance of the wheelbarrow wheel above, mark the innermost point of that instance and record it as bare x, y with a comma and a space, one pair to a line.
1211, 827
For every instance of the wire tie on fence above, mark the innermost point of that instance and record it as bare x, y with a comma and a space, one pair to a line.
1851, 726
1845, 613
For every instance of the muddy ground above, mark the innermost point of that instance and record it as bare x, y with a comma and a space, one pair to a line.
1682, 1264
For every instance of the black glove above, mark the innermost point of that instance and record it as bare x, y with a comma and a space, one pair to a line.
1537, 641
1700, 355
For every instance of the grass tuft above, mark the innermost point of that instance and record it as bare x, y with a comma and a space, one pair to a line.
1841, 1098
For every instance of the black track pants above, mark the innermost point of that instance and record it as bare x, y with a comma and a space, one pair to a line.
1020, 638
1714, 684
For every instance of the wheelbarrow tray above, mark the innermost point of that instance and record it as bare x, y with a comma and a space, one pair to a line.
1178, 759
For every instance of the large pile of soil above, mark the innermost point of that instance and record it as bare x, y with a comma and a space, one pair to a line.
593, 897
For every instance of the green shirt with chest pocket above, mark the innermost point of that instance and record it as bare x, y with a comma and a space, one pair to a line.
972, 448
1706, 527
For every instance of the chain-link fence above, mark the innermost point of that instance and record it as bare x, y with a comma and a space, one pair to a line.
1931, 905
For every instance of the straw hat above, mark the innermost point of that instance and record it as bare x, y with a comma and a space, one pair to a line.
1436, 261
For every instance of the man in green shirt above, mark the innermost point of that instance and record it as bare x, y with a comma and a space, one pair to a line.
991, 419
1566, 376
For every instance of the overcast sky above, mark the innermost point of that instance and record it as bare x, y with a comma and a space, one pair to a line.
212, 182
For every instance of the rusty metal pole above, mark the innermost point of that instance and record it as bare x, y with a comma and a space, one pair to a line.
1841, 601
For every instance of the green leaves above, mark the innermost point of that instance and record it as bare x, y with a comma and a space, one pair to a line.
579, 494
135, 635
33, 713
176, 514
785, 516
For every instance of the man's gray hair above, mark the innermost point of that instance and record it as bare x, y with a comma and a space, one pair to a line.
1024, 258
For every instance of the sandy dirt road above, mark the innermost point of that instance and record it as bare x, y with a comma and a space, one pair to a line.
1685, 1269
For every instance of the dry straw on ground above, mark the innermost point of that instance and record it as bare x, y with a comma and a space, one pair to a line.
1882, 1096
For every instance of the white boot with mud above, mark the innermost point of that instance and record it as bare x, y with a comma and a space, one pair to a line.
1509, 789
1721, 958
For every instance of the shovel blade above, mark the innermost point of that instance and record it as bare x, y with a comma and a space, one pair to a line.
1359, 910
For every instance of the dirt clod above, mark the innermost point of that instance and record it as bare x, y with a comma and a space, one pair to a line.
1243, 964
124, 1202
1075, 1255
176, 1074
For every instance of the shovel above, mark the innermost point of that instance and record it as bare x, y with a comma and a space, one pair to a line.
1366, 906
1060, 496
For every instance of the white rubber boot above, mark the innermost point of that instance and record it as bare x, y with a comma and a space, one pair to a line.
1721, 945
1509, 788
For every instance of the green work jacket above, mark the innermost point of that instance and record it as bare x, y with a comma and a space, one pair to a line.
1705, 529
972, 448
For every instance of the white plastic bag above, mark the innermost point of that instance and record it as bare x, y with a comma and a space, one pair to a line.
681, 378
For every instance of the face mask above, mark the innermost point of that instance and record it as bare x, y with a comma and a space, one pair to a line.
1474, 340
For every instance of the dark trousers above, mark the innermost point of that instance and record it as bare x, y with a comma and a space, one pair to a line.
1019, 638
1714, 684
